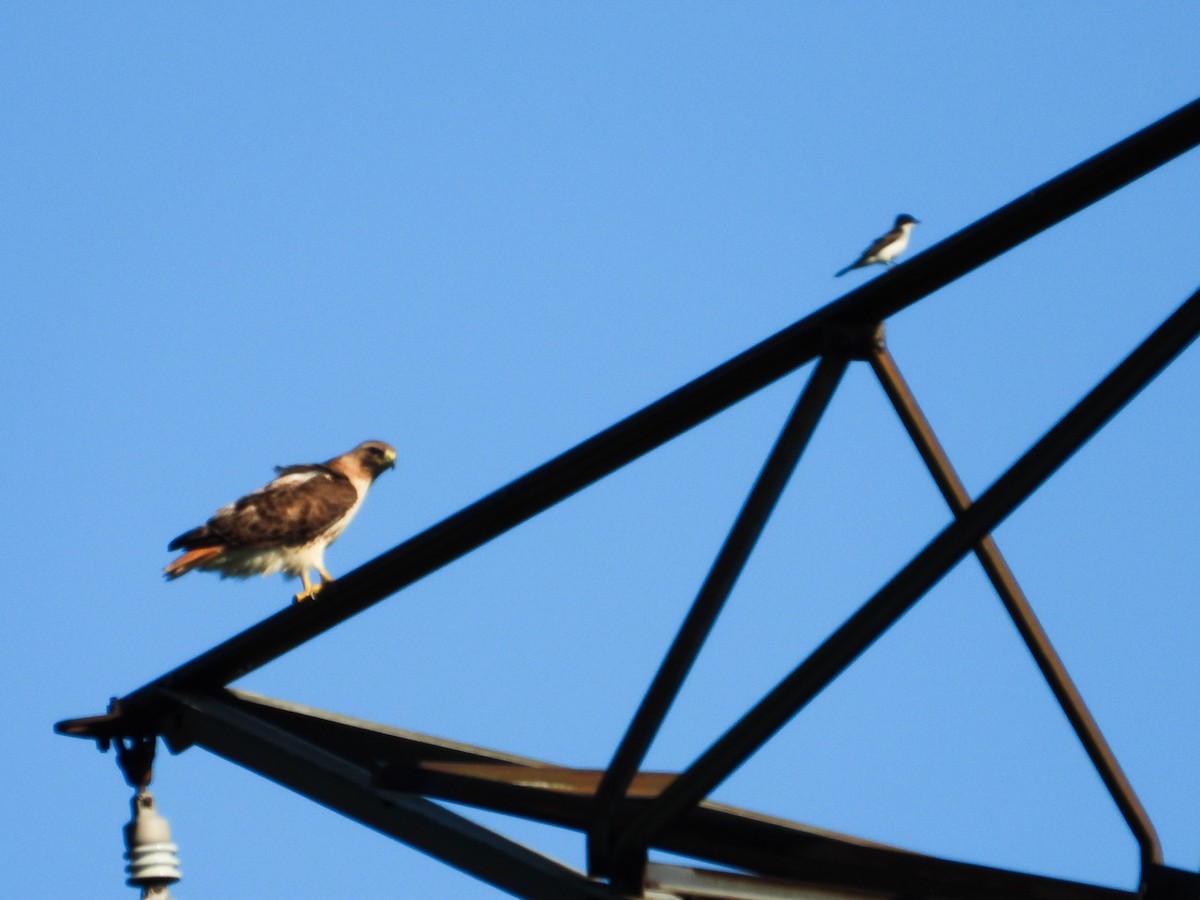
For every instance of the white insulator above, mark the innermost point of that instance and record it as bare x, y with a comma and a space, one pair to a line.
151, 855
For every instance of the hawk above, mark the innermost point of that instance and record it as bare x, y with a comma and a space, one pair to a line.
286, 525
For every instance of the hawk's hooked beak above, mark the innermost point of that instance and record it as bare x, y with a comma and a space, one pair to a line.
390, 458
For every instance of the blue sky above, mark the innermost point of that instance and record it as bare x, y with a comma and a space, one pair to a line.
240, 236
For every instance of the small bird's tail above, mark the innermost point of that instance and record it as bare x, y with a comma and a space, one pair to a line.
191, 560
852, 265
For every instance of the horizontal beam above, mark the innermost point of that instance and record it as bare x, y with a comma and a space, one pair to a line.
245, 726
667, 418
559, 780
343, 786
702, 884
726, 836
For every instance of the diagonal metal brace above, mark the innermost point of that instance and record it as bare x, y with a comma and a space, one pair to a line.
925, 570
1019, 609
717, 586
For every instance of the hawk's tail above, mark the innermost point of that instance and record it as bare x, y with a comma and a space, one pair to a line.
191, 560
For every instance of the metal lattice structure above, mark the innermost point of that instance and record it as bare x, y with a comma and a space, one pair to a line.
389, 779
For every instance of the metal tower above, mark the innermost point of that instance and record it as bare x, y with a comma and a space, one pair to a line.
389, 779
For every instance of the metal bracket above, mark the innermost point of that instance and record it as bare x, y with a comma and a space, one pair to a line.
855, 341
135, 756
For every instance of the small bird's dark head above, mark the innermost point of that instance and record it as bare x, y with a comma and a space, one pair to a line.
375, 456
906, 219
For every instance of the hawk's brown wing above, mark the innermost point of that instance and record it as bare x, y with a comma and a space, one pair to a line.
294, 509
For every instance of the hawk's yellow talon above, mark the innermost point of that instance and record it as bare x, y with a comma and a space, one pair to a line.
310, 589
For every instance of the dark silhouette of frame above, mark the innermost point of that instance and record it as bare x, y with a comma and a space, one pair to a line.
385, 777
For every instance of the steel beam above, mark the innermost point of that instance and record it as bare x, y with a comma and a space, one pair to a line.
727, 836
1168, 883
367, 744
700, 884
411, 763
715, 590
1019, 609
866, 625
329, 779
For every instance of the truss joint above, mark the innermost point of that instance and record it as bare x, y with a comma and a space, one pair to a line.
854, 340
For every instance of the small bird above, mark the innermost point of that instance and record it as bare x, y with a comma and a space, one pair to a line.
885, 249
286, 525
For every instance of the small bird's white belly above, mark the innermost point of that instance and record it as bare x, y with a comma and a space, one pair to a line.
891, 251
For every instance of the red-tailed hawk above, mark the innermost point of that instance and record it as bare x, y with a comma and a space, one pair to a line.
286, 525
